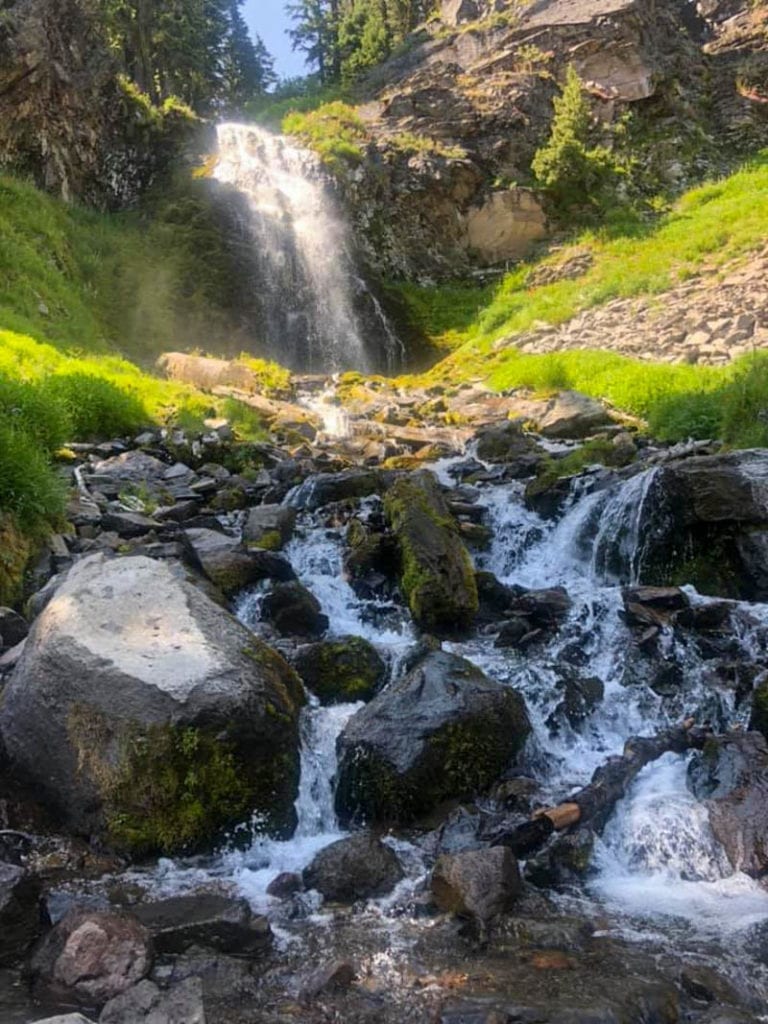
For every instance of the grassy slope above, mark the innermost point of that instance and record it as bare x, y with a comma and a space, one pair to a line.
80, 292
710, 226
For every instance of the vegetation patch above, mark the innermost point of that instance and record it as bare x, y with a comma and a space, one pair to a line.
335, 131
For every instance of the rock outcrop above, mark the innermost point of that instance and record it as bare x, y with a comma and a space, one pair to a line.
163, 720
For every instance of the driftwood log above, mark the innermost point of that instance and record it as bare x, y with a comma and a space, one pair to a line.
591, 806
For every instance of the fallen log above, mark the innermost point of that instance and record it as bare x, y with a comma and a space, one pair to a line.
591, 806
594, 804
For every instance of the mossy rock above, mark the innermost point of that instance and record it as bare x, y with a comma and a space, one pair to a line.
15, 552
341, 671
445, 731
436, 572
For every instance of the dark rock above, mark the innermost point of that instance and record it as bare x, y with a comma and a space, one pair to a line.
334, 977
547, 496
481, 884
21, 913
269, 526
707, 985
508, 443
341, 671
443, 731
580, 698
149, 700
514, 632
436, 573
209, 920
179, 512
90, 957
326, 488
522, 837
128, 524
731, 776
145, 1003
516, 794
495, 598
13, 627
223, 559
294, 611
544, 609
567, 858
356, 868
269, 565
284, 885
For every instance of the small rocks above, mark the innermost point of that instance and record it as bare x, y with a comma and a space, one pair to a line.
334, 977
145, 1003
358, 867
90, 957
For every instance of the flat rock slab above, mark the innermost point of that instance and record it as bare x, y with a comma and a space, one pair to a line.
210, 920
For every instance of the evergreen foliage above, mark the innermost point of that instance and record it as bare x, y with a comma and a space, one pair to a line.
576, 175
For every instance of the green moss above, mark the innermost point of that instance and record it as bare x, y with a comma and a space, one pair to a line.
335, 131
601, 451
437, 576
15, 552
341, 671
270, 540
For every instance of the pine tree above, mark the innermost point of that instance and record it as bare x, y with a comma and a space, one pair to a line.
574, 173
248, 70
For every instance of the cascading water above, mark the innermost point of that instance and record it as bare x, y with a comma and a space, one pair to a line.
318, 313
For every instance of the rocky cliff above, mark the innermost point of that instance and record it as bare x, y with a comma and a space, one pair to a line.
454, 121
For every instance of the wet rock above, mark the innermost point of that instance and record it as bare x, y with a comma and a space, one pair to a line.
567, 858
581, 695
145, 1003
90, 957
334, 977
494, 597
731, 776
284, 885
480, 884
269, 565
209, 921
547, 496
544, 609
326, 488
507, 443
269, 526
356, 868
515, 632
436, 573
443, 731
21, 913
516, 794
163, 719
13, 628
341, 671
223, 559
707, 985
294, 611
369, 559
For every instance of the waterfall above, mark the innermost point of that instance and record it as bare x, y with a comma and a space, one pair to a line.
318, 313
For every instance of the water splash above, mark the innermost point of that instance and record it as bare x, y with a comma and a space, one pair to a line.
319, 314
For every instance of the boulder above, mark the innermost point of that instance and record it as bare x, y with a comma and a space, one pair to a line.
336, 976
162, 718
356, 868
128, 524
284, 885
223, 559
145, 1003
731, 776
269, 526
90, 957
294, 611
436, 572
21, 913
443, 731
481, 884
571, 415
340, 671
208, 920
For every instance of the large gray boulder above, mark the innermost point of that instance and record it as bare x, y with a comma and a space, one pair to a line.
144, 713
358, 867
443, 731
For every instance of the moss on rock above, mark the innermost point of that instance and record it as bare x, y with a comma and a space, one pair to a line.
338, 671
436, 572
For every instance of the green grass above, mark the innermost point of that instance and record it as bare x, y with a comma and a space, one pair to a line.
709, 225
334, 131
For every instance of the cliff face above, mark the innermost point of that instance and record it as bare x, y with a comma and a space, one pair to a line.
456, 120
65, 119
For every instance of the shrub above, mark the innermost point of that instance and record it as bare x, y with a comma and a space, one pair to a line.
575, 175
97, 408
29, 488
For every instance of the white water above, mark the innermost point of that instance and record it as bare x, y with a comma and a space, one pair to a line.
657, 859
312, 297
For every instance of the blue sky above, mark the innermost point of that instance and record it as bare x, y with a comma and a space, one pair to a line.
269, 20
